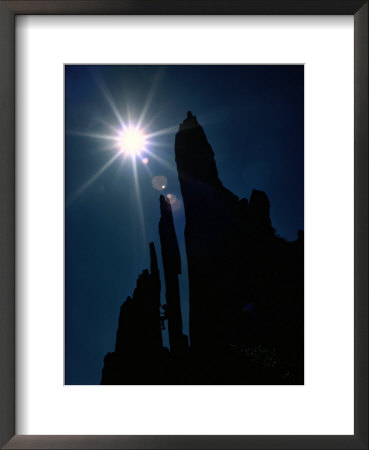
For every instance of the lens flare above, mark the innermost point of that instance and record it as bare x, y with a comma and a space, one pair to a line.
172, 198
159, 182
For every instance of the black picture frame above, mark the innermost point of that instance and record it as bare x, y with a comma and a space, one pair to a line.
8, 12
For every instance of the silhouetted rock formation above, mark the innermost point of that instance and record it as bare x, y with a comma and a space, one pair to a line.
139, 356
245, 283
172, 268
246, 289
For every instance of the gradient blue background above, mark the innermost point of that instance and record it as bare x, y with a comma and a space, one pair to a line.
253, 117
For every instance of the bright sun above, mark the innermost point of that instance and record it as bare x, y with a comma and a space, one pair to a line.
132, 141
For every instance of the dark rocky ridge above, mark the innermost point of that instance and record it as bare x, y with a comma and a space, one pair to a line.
245, 286
139, 356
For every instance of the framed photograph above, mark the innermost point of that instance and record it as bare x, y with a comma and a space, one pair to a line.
184, 224
221, 300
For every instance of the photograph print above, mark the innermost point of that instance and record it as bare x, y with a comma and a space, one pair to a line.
184, 224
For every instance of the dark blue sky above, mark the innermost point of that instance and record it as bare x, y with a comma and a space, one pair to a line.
253, 117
